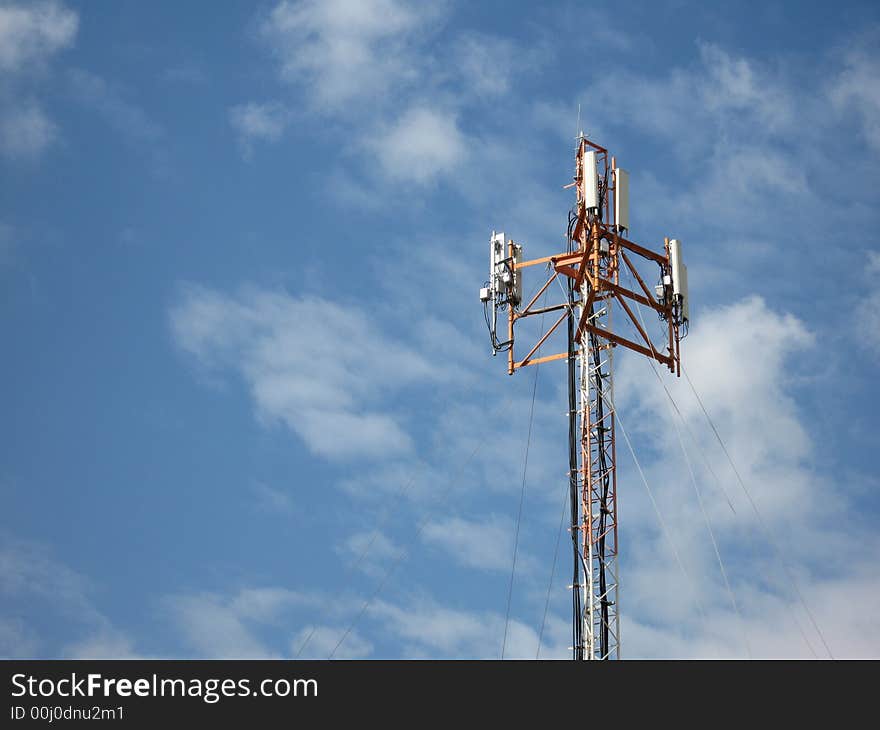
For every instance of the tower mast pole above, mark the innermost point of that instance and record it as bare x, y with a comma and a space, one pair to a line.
600, 635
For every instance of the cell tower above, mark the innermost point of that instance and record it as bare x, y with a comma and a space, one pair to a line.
591, 272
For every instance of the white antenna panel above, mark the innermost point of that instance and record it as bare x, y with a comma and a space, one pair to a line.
621, 198
590, 183
497, 252
517, 292
679, 276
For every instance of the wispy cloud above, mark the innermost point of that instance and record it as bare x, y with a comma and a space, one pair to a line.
258, 123
856, 88
322, 368
370, 551
31, 577
746, 144
271, 499
421, 145
742, 360
124, 116
17, 639
212, 628
105, 643
486, 63
481, 544
772, 449
323, 641
26, 130
428, 628
346, 49
867, 320
377, 57
233, 626
773, 627
31, 35
187, 72
690, 105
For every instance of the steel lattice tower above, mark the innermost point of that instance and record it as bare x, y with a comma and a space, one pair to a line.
597, 249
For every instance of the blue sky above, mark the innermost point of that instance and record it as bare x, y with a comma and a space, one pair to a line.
240, 249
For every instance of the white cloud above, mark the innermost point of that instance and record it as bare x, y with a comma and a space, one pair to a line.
485, 63
319, 367
229, 626
32, 582
857, 88
431, 629
734, 126
470, 452
27, 569
17, 639
235, 625
421, 145
125, 117
25, 130
214, 630
742, 359
32, 32
106, 643
867, 319
846, 609
374, 56
369, 551
30, 35
272, 499
324, 639
690, 106
264, 604
258, 123
187, 72
739, 358
344, 50
734, 84
482, 544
